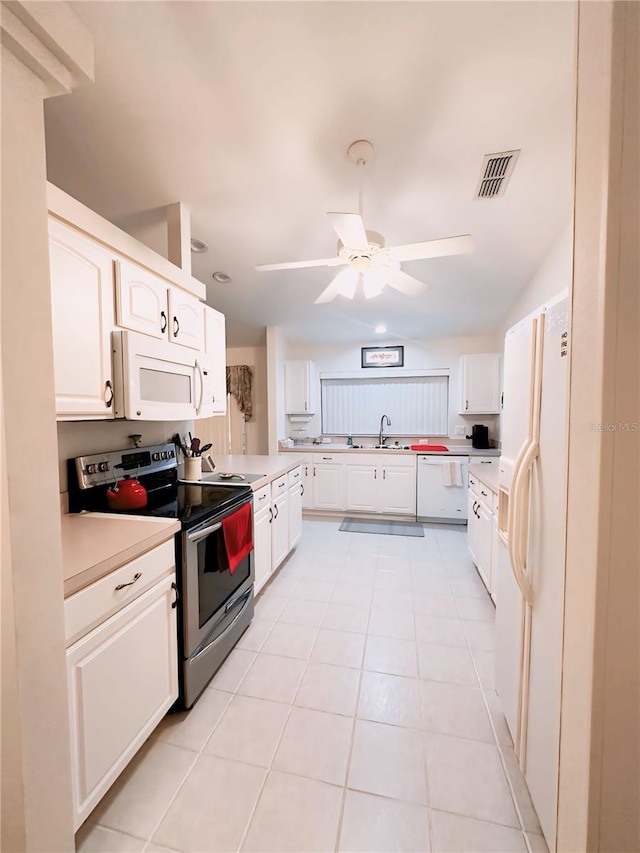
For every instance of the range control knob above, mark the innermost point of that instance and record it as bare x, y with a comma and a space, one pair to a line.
155, 457
91, 469
172, 454
164, 455
103, 466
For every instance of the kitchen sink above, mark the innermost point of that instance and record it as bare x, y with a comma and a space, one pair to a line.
381, 447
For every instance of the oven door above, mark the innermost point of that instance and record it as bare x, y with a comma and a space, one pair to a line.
211, 593
155, 380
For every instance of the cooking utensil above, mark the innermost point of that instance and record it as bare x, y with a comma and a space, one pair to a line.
128, 493
195, 445
205, 448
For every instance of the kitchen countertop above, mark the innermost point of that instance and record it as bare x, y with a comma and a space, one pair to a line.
457, 450
269, 466
487, 474
94, 544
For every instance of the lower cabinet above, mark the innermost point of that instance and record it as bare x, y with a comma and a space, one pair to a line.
277, 523
328, 485
384, 485
482, 529
398, 489
362, 488
122, 678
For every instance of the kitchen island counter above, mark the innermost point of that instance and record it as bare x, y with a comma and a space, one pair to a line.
95, 544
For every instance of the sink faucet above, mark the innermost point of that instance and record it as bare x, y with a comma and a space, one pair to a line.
381, 437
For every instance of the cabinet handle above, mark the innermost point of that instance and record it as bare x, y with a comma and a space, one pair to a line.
174, 603
275, 506
485, 462
108, 387
305, 405
314, 470
270, 514
302, 489
375, 473
327, 458
163, 325
136, 577
306, 471
484, 493
176, 327
384, 473
466, 405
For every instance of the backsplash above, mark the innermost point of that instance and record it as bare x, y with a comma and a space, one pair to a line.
76, 438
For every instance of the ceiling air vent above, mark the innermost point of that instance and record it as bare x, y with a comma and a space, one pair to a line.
496, 171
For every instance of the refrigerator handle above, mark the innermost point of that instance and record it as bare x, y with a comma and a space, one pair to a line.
518, 526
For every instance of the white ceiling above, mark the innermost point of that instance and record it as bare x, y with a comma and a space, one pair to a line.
244, 111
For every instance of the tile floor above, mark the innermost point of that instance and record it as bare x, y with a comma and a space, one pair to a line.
357, 713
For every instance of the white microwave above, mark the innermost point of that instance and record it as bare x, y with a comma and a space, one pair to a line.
156, 380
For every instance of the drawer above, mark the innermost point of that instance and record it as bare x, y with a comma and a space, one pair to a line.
100, 600
485, 495
262, 498
398, 460
326, 458
474, 484
278, 486
485, 460
294, 477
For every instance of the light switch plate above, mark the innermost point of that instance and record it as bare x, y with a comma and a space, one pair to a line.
460, 430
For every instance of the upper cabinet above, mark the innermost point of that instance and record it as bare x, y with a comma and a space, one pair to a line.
81, 274
300, 388
480, 384
145, 303
214, 364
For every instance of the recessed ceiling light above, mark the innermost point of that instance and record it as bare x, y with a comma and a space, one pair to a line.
198, 246
221, 277
380, 329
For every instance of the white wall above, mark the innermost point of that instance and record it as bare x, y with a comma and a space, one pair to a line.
441, 354
276, 355
553, 275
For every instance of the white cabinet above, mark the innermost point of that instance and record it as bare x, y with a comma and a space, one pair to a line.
480, 384
214, 363
279, 530
328, 483
307, 483
262, 519
362, 488
82, 314
482, 530
300, 388
122, 677
295, 514
398, 491
148, 304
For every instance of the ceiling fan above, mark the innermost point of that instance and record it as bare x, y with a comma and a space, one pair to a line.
368, 264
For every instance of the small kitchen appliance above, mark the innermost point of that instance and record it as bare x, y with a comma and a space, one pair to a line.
215, 603
479, 437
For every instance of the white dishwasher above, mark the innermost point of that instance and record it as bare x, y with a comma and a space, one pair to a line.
442, 488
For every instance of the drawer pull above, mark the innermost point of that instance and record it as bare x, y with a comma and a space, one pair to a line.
484, 493
280, 485
327, 458
174, 603
262, 497
485, 462
136, 577
270, 514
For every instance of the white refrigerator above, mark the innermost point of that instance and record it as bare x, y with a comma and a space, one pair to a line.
531, 527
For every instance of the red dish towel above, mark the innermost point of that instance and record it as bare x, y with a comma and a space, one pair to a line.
428, 447
237, 536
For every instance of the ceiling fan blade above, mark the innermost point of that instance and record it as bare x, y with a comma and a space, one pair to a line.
350, 230
433, 248
344, 284
406, 284
294, 265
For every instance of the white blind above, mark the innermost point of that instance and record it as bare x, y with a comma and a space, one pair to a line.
416, 405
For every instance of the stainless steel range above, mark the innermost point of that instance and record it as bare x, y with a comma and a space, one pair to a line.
215, 604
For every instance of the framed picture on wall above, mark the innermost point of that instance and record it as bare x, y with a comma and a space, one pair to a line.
382, 356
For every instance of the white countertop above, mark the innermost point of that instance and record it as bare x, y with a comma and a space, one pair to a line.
487, 474
94, 544
454, 449
269, 466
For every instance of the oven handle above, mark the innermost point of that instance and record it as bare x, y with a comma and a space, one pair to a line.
245, 599
200, 534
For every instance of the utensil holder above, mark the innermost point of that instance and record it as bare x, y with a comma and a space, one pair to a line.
193, 468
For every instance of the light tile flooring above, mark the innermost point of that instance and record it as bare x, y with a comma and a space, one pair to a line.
357, 713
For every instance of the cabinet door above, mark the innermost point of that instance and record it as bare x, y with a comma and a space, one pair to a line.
307, 485
280, 530
328, 486
141, 300
495, 555
214, 363
122, 678
186, 319
480, 384
262, 546
398, 492
362, 487
295, 515
483, 551
298, 393
472, 525
82, 315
